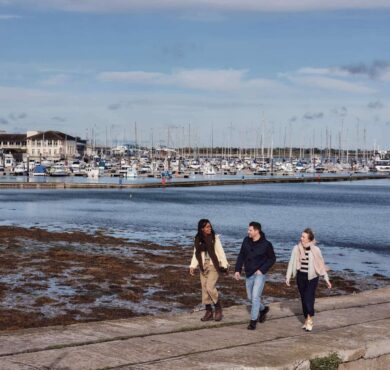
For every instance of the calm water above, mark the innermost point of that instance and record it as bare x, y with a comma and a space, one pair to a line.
351, 219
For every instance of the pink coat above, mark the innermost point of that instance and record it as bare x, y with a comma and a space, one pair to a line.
319, 263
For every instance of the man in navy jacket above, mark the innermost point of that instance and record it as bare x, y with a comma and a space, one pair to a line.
257, 255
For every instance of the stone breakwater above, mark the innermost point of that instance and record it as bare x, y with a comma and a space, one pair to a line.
58, 278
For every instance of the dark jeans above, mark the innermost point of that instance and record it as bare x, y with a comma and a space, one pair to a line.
307, 290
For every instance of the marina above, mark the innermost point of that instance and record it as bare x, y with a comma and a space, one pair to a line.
72, 255
166, 165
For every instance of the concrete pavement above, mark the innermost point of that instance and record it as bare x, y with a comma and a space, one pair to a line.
357, 327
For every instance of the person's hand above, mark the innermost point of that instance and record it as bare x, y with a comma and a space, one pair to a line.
258, 272
192, 271
237, 275
329, 284
288, 282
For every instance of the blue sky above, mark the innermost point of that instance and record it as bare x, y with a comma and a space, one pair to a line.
243, 69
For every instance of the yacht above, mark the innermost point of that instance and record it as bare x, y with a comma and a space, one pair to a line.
131, 173
209, 171
382, 165
20, 170
92, 172
9, 161
58, 170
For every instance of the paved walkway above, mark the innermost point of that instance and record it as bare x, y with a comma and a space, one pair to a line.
357, 327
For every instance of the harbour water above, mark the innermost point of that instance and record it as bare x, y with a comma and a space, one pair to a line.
351, 219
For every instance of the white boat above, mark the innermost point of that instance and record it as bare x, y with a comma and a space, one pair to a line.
299, 166
75, 166
9, 161
58, 170
20, 170
47, 163
261, 171
122, 171
382, 165
131, 173
81, 172
310, 170
209, 171
363, 169
92, 172
195, 165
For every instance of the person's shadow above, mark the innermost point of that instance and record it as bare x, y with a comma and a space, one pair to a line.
293, 307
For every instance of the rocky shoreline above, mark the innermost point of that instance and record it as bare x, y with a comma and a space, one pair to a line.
60, 278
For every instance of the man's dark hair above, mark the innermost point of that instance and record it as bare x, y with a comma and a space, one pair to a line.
255, 225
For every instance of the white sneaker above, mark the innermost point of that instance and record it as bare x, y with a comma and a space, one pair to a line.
304, 325
309, 325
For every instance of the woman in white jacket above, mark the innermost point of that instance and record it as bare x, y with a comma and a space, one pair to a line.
210, 257
307, 264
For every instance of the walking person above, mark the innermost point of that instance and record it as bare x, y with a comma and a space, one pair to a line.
257, 255
210, 257
307, 264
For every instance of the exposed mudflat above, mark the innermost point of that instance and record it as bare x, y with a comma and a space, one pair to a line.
59, 278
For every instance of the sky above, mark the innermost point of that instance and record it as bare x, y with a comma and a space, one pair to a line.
177, 72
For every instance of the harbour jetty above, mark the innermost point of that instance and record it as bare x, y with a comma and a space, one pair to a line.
355, 327
188, 183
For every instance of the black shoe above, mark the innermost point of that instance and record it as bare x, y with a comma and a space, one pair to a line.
252, 325
263, 314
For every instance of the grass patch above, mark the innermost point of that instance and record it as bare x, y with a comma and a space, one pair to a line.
330, 362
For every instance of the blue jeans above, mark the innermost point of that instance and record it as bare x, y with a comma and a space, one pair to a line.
254, 290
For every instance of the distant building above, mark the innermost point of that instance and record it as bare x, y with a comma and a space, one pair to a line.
54, 145
10, 142
14, 144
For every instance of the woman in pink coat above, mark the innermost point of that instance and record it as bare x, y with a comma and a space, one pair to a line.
307, 265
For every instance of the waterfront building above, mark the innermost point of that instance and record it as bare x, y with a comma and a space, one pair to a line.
53, 145
11, 142
14, 145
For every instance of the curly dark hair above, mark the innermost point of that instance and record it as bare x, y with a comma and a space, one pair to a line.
201, 224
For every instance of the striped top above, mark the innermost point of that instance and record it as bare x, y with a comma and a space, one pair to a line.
305, 262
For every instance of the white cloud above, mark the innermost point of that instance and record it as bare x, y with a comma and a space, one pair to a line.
181, 5
225, 80
332, 71
386, 76
332, 84
206, 79
135, 77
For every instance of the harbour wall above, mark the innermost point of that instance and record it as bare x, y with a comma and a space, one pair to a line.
173, 183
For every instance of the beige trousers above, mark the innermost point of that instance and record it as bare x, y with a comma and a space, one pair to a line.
208, 279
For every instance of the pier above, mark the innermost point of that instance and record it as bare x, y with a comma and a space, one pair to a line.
355, 327
189, 183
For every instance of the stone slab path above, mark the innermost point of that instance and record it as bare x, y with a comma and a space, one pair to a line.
356, 327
